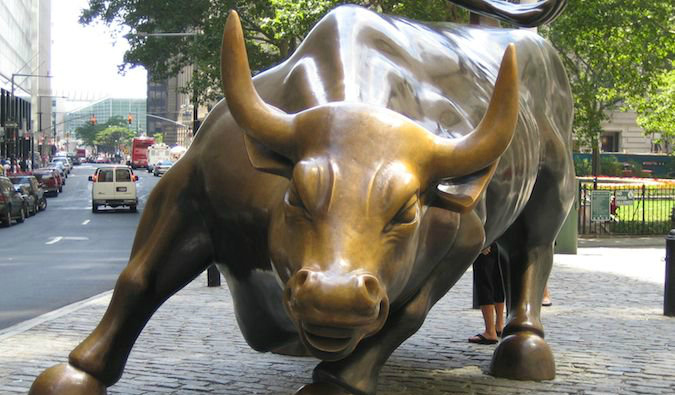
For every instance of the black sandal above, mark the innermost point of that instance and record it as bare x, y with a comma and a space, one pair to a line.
480, 339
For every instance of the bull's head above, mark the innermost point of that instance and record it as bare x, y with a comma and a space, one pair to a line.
344, 238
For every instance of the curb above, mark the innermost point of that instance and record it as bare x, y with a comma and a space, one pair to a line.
28, 324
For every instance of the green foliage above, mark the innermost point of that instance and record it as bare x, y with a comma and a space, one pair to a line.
87, 133
159, 138
610, 166
111, 138
582, 167
613, 50
656, 110
273, 30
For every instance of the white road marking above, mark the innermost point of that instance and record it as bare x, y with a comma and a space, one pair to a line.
56, 239
86, 222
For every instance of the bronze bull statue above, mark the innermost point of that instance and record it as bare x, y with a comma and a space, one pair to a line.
344, 192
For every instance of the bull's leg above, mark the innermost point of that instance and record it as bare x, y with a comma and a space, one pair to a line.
523, 354
358, 373
172, 247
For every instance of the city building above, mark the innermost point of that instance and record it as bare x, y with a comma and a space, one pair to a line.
25, 62
622, 134
170, 110
100, 112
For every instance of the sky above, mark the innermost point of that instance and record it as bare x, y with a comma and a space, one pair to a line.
85, 58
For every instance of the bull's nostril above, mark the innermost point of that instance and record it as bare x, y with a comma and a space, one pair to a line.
301, 277
372, 286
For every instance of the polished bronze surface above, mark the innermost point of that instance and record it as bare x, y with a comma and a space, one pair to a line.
525, 15
343, 193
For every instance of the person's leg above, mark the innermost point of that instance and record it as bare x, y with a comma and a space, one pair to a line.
546, 301
489, 318
499, 317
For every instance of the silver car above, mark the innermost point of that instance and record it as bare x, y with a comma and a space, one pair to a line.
162, 167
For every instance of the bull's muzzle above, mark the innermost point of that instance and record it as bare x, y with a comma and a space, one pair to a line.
334, 311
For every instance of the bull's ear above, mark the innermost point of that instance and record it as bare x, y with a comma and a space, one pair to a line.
266, 160
463, 193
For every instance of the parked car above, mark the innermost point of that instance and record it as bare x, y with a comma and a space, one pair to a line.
161, 167
114, 186
34, 189
50, 180
67, 165
58, 166
12, 204
29, 200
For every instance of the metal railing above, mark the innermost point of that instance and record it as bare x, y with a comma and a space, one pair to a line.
634, 210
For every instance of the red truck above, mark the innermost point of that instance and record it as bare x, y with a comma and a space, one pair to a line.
139, 151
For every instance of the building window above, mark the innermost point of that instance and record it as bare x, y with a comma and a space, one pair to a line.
609, 141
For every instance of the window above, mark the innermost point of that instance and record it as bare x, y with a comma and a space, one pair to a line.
105, 175
609, 141
122, 175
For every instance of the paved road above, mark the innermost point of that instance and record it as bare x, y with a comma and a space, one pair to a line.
66, 253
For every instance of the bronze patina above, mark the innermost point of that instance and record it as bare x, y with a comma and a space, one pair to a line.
344, 192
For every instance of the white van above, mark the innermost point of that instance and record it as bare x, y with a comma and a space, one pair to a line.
114, 186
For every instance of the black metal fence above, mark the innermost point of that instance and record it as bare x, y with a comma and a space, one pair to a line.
633, 210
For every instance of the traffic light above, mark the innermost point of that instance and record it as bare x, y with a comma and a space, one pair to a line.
92, 120
130, 119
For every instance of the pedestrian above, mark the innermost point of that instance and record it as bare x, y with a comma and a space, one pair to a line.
23, 165
489, 287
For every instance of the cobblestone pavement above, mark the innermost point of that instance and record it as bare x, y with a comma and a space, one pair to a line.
606, 328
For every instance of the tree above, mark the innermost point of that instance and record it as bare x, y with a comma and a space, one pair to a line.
159, 138
109, 139
613, 50
273, 30
88, 132
656, 111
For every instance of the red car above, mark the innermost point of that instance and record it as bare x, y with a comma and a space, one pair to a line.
50, 179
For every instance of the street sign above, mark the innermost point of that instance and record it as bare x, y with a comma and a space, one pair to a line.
625, 197
600, 206
11, 125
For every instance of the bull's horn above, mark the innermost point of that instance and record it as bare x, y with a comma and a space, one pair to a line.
261, 121
486, 143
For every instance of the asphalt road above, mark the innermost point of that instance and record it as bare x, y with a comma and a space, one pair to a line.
65, 253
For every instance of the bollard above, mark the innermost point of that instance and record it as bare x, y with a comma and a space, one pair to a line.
669, 287
212, 276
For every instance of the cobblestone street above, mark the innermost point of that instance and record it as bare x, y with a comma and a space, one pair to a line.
606, 328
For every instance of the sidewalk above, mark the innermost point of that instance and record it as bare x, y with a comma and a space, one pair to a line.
606, 328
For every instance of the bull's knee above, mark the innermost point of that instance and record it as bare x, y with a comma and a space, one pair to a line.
66, 379
104, 352
523, 356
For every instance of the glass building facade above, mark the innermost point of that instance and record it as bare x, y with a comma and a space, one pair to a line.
105, 109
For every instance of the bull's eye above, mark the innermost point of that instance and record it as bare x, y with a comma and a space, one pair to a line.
292, 199
408, 213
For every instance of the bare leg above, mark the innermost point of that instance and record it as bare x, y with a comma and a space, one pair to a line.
547, 297
499, 317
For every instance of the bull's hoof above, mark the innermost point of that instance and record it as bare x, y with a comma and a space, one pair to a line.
65, 379
322, 389
523, 356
